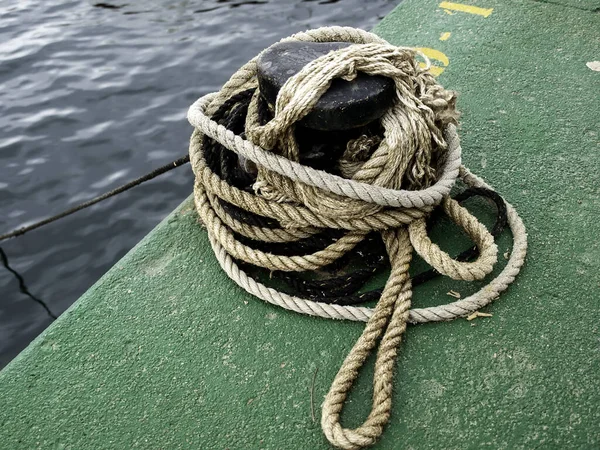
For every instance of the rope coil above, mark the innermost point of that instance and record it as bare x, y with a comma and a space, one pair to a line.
292, 218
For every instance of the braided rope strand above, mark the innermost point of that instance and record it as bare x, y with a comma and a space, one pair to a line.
409, 172
441, 313
389, 318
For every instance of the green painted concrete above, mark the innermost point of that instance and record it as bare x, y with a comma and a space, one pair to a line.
165, 352
585, 5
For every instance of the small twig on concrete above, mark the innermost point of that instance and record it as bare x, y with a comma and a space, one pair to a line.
478, 314
453, 294
312, 395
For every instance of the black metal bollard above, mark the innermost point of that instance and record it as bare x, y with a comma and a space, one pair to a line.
346, 111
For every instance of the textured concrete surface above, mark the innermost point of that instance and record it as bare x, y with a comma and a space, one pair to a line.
584, 5
166, 352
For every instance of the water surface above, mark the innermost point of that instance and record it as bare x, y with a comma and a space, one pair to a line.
95, 94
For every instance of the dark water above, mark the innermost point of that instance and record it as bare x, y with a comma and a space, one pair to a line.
93, 95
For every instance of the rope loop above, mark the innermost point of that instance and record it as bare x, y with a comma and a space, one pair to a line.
441, 261
262, 208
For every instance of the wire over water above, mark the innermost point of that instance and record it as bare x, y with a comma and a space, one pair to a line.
155, 173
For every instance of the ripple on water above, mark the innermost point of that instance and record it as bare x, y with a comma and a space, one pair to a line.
92, 97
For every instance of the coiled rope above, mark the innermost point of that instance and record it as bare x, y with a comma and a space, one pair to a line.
292, 219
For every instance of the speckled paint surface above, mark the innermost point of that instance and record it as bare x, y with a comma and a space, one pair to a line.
166, 352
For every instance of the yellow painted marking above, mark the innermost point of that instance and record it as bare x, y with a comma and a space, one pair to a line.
445, 36
434, 55
485, 12
436, 71
447, 11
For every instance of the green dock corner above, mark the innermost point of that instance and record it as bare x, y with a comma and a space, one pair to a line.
166, 352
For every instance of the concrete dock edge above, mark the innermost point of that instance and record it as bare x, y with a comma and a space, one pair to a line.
166, 352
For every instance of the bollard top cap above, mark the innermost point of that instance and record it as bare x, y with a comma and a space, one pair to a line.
345, 105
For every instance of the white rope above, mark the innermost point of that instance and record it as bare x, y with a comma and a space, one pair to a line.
245, 77
324, 180
450, 311
422, 106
